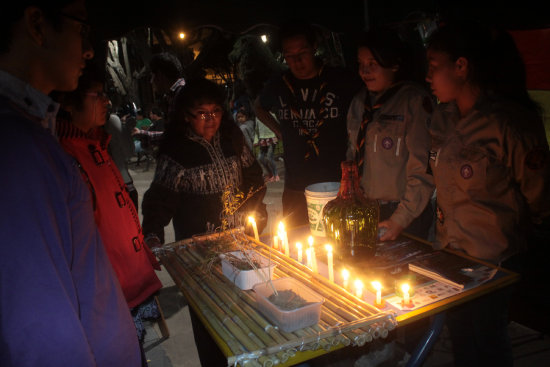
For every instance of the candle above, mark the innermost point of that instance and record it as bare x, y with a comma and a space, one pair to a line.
308, 257
275, 242
345, 277
284, 238
405, 288
358, 288
313, 255
252, 221
299, 247
378, 287
330, 263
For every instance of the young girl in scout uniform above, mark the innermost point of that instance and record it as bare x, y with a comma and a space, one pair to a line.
388, 136
490, 163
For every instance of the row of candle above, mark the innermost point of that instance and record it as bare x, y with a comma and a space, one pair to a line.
311, 262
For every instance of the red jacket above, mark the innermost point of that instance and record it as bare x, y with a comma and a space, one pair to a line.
115, 214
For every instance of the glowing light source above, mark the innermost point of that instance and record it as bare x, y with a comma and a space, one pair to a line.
264, 38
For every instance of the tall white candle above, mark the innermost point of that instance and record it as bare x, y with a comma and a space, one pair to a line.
299, 247
313, 255
359, 288
345, 277
252, 221
308, 258
405, 288
378, 287
276, 242
284, 238
330, 263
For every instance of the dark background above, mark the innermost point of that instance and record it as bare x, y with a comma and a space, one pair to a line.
113, 19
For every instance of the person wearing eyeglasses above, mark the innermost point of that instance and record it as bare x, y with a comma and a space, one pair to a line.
61, 303
310, 101
79, 129
203, 153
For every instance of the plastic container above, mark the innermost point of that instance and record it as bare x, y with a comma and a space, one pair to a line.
317, 196
291, 320
245, 279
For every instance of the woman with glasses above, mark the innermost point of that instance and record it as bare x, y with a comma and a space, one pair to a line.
79, 129
202, 154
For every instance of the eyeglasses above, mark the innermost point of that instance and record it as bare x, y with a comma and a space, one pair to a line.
102, 95
203, 115
84, 26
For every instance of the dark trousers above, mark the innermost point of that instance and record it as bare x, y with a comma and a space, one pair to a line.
210, 354
294, 208
479, 331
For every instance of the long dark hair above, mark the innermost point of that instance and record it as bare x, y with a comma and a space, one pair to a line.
389, 50
495, 64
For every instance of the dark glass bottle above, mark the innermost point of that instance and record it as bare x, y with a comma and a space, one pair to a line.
351, 220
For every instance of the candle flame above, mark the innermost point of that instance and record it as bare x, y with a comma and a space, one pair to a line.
299, 245
310, 241
405, 288
358, 284
376, 285
345, 274
328, 248
281, 227
251, 220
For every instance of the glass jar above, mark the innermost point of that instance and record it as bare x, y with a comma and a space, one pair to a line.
351, 220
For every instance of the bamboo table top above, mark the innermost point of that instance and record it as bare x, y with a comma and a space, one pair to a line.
246, 337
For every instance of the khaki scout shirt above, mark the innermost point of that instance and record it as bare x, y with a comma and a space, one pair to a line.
491, 173
396, 152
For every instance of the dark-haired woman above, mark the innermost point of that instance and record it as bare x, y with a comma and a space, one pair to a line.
490, 162
388, 131
202, 153
80, 132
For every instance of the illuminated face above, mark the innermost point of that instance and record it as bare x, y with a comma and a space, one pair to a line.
95, 105
375, 77
443, 76
300, 57
65, 51
205, 119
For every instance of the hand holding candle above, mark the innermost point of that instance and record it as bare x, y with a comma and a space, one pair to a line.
299, 248
330, 263
252, 221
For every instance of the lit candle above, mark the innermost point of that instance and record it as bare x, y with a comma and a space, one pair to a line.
299, 247
284, 238
345, 277
378, 287
405, 288
252, 221
308, 258
358, 288
275, 242
330, 263
313, 255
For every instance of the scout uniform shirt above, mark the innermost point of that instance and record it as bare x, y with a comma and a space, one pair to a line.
491, 173
396, 150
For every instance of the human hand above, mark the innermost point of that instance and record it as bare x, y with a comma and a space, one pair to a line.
135, 131
153, 241
392, 230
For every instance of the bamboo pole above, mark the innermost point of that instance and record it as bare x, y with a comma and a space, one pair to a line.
240, 308
226, 320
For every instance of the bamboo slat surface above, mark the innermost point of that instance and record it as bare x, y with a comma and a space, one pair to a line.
242, 332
